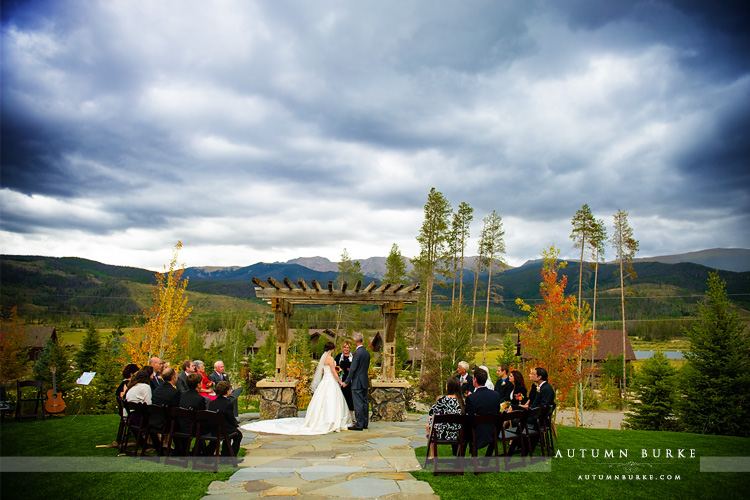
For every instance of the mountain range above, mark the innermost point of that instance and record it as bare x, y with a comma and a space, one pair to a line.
71, 285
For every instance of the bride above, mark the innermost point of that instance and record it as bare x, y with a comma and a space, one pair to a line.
327, 411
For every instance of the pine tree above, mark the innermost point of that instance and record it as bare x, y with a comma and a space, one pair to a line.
432, 238
716, 376
625, 247
493, 245
395, 267
86, 356
655, 387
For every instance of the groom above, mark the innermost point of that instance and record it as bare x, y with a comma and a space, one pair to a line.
357, 378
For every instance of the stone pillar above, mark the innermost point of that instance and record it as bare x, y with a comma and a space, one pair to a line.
388, 401
277, 399
390, 313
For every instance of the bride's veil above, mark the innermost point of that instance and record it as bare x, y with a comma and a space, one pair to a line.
319, 371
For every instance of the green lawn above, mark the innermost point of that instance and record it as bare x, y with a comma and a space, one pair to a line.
78, 436
593, 478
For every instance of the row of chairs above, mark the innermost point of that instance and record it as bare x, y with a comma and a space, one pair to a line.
180, 435
515, 429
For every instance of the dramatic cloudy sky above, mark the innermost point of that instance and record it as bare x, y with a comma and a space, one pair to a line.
269, 130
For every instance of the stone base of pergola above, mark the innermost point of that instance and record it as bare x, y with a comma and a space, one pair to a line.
388, 401
278, 399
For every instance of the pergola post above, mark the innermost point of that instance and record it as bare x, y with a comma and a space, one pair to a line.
390, 312
283, 311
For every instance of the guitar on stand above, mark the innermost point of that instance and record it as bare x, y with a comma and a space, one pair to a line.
55, 403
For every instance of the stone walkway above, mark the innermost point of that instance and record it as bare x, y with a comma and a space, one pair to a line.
374, 463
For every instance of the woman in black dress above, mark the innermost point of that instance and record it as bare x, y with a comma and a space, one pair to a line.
343, 361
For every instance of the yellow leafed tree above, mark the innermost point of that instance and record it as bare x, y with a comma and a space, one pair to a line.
161, 329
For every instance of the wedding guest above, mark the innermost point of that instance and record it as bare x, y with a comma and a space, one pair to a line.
138, 390
452, 403
220, 375
467, 385
224, 406
344, 361
188, 367
489, 385
167, 394
205, 386
127, 373
157, 366
191, 400
517, 395
482, 402
503, 386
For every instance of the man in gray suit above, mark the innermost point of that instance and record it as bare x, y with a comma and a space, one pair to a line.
360, 383
188, 367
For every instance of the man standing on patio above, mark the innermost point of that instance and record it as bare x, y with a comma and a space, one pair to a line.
360, 383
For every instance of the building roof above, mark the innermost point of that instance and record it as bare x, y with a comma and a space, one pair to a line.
37, 335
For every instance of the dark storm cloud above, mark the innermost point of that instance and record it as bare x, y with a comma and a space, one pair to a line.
264, 125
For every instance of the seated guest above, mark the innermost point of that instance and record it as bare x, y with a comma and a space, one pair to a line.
503, 386
187, 368
191, 400
532, 389
138, 390
467, 386
205, 386
167, 394
483, 402
127, 372
224, 406
517, 395
489, 385
545, 396
157, 365
450, 404
217, 376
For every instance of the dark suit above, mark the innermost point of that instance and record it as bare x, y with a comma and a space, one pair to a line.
503, 390
360, 382
467, 386
182, 382
224, 406
155, 382
216, 378
483, 402
545, 396
164, 395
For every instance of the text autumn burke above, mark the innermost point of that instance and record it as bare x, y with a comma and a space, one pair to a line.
645, 453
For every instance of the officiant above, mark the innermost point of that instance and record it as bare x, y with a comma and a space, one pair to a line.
343, 361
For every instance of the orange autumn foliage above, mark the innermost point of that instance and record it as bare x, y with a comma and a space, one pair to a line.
551, 335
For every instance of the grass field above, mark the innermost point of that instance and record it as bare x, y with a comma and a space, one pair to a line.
79, 436
631, 477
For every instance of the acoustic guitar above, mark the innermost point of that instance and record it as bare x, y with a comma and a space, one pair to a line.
55, 403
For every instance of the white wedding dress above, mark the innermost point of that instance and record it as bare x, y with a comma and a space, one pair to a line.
327, 411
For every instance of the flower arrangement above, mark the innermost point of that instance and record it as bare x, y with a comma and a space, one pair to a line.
519, 396
505, 405
392, 380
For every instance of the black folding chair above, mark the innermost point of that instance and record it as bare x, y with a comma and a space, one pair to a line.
513, 436
158, 420
137, 425
29, 396
182, 427
546, 430
492, 455
211, 429
458, 444
122, 427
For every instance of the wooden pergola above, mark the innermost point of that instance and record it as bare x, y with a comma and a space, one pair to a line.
284, 296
